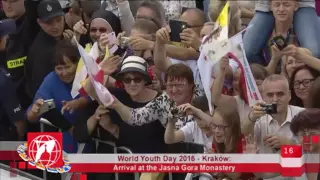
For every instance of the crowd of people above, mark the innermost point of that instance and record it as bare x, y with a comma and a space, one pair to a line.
159, 101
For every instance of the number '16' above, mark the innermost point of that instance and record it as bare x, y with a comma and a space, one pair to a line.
288, 150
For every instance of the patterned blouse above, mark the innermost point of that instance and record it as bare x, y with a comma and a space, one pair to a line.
173, 9
158, 110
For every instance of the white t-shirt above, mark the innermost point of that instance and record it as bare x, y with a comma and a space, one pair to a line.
192, 133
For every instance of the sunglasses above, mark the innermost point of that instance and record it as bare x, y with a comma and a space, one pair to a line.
129, 80
102, 30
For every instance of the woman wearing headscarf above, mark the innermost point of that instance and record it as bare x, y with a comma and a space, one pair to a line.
102, 22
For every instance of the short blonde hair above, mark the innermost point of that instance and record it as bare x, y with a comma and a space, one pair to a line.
285, 59
216, 7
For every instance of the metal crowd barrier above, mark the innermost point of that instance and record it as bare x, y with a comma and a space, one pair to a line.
66, 176
115, 151
191, 176
80, 149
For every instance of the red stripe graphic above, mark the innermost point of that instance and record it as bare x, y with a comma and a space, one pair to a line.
9, 156
131, 168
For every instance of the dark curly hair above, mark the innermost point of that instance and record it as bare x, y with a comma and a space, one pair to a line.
307, 119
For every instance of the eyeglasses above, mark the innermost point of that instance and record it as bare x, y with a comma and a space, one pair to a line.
220, 127
102, 30
178, 86
305, 133
129, 80
305, 83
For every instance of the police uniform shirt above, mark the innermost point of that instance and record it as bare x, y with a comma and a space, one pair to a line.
10, 109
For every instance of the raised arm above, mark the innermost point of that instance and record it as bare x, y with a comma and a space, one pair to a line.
182, 53
159, 53
126, 17
172, 135
186, 133
217, 97
192, 40
248, 124
275, 58
301, 54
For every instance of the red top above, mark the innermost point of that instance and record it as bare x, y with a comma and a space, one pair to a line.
240, 148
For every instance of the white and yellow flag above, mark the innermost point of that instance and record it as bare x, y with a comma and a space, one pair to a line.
208, 58
214, 47
81, 73
95, 76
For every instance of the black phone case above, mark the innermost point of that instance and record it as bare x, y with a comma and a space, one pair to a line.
176, 28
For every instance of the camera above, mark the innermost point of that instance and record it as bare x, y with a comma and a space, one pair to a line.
47, 105
270, 108
280, 41
124, 42
177, 112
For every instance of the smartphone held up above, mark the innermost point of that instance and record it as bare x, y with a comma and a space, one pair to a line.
177, 27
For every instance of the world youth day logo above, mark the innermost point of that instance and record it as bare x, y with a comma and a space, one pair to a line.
44, 151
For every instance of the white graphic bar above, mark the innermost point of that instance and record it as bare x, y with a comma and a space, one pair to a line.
174, 158
10, 145
292, 162
177, 158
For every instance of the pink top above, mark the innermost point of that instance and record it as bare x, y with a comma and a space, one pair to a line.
318, 7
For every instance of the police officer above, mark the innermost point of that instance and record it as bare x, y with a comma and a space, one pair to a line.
24, 13
12, 116
39, 61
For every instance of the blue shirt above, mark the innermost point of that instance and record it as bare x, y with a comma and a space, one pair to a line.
53, 88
